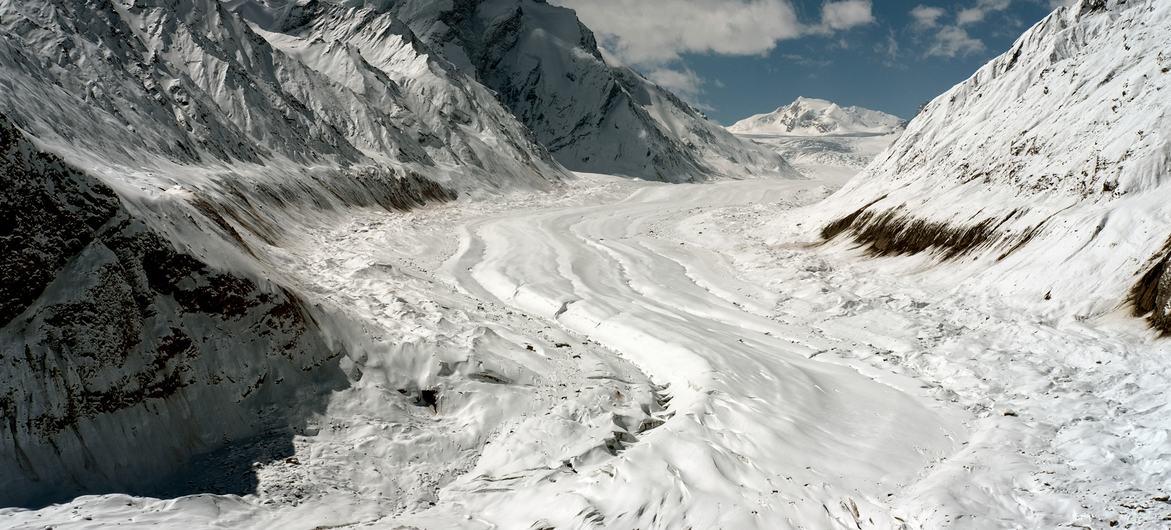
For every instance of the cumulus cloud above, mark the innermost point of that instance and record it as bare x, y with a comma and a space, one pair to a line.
846, 14
683, 81
646, 32
927, 17
980, 11
951, 41
653, 35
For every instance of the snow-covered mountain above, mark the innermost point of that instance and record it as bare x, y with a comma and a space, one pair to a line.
822, 139
545, 66
1049, 166
818, 117
155, 155
166, 82
223, 304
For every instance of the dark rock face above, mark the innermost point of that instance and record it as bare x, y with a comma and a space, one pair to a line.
47, 214
1151, 294
895, 232
500, 42
122, 357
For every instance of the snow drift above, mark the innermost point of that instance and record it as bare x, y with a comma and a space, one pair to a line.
1048, 166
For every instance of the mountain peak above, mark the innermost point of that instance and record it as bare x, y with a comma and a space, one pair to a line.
807, 116
813, 102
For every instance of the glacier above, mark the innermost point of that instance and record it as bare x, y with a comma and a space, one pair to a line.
438, 264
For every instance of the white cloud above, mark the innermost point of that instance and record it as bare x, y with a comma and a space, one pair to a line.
980, 11
846, 14
684, 82
927, 17
951, 41
889, 50
645, 32
657, 32
806, 61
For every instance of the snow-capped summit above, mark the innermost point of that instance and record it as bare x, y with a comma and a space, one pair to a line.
818, 117
821, 137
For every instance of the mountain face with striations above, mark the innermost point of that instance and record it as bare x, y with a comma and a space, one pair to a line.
546, 68
1048, 166
154, 156
187, 82
818, 117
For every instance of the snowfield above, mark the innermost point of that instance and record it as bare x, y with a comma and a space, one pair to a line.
625, 354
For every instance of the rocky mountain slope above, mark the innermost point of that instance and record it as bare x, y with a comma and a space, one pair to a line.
121, 350
1048, 166
155, 155
164, 83
818, 117
545, 66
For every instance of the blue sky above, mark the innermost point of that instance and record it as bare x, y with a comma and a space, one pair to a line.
734, 58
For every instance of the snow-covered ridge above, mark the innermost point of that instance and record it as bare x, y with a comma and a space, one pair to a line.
158, 84
1051, 163
545, 66
818, 117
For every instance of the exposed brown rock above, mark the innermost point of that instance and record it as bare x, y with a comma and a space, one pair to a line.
1150, 297
47, 214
